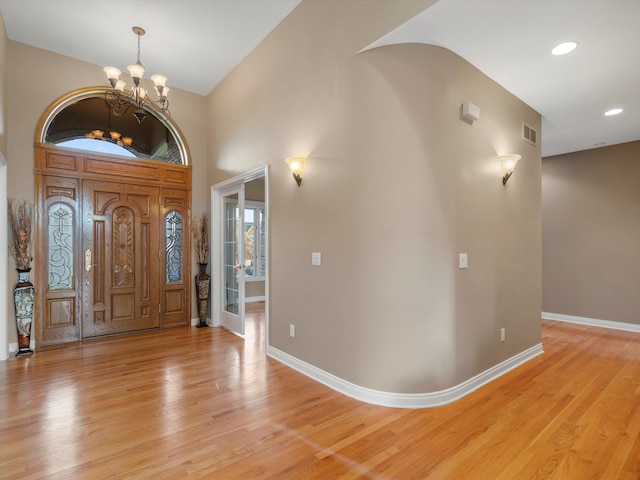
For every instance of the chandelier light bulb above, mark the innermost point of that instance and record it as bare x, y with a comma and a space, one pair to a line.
112, 73
159, 80
136, 71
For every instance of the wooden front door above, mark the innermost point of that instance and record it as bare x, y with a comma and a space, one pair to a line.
113, 250
121, 261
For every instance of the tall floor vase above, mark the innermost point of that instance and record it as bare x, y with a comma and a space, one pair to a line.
202, 290
23, 298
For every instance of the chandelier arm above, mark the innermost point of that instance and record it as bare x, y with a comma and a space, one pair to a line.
119, 106
147, 96
161, 106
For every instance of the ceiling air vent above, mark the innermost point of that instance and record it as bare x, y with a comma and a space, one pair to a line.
529, 134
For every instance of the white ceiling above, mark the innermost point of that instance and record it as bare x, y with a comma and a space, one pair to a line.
196, 43
511, 40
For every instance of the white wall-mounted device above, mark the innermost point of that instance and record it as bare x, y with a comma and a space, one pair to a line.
470, 111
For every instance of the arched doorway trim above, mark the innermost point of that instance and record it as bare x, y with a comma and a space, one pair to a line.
75, 96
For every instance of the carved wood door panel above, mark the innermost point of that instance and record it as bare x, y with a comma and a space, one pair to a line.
120, 258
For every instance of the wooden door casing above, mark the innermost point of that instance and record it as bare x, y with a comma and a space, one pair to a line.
136, 195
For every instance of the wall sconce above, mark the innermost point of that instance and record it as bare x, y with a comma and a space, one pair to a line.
508, 163
296, 165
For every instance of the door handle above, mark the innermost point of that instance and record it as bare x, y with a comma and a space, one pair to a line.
87, 260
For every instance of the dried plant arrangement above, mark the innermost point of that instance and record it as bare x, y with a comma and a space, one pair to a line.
20, 224
200, 238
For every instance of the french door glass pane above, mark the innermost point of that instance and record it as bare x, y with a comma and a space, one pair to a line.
231, 265
261, 250
249, 242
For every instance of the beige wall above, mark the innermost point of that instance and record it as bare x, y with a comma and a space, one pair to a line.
36, 78
254, 289
591, 232
3, 88
4, 252
395, 187
254, 190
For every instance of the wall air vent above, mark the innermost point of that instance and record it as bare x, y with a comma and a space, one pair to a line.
529, 134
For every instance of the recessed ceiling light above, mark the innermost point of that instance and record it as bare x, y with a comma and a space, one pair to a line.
564, 48
613, 111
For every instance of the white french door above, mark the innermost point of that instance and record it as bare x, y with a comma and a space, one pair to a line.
230, 262
232, 259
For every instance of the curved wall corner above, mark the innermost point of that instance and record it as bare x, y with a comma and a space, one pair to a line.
396, 186
433, 179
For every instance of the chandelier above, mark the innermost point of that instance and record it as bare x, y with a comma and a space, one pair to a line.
137, 97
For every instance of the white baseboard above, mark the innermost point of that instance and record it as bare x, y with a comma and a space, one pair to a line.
196, 321
13, 346
405, 400
591, 322
260, 298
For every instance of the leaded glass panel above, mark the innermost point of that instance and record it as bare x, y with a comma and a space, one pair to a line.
173, 247
61, 247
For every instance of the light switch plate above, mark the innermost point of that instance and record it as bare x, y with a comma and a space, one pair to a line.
316, 258
463, 261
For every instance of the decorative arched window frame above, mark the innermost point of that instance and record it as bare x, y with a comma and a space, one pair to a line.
75, 96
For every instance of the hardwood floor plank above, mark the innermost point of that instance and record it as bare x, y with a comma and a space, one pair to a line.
202, 403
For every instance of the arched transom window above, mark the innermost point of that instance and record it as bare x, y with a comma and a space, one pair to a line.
83, 120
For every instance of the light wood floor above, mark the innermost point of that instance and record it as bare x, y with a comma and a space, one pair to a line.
201, 403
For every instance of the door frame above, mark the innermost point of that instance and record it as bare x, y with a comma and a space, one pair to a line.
61, 173
216, 237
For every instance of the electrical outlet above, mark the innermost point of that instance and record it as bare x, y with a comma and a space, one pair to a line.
292, 330
503, 335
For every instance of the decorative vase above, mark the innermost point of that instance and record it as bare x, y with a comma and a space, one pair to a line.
202, 290
23, 298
